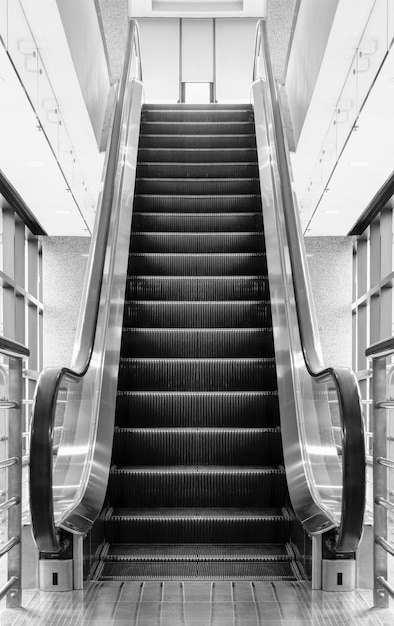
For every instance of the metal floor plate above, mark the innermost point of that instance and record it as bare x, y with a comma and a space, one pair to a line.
204, 603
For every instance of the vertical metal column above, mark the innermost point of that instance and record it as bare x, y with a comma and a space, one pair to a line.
15, 481
379, 428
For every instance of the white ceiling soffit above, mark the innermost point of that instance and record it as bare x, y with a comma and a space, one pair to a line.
197, 8
366, 161
28, 161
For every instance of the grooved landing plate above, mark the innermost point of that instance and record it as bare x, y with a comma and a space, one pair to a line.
237, 570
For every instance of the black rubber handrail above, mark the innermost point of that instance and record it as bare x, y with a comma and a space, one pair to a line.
12, 348
348, 534
380, 349
44, 407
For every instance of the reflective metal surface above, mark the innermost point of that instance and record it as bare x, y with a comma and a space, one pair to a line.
83, 458
74, 408
317, 405
203, 603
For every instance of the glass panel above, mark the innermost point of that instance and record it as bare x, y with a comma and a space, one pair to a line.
347, 109
23, 51
47, 108
1, 240
372, 49
310, 419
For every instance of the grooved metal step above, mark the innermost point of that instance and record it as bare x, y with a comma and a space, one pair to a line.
202, 446
151, 409
197, 223
208, 106
197, 525
196, 155
189, 203
197, 141
197, 242
194, 115
205, 570
197, 343
195, 486
199, 186
219, 552
197, 170
202, 128
175, 314
197, 374
197, 264
197, 288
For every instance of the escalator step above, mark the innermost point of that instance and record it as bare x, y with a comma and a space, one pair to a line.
184, 106
195, 486
219, 552
197, 141
197, 288
197, 242
194, 115
197, 374
153, 409
197, 525
204, 446
200, 128
193, 264
197, 170
199, 186
197, 343
197, 314
178, 203
233, 570
197, 223
196, 155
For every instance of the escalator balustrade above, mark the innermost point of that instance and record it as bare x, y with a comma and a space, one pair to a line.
197, 486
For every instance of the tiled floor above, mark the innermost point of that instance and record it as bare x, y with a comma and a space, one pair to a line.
197, 604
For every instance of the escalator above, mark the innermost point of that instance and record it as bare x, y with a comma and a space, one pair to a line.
197, 433
197, 485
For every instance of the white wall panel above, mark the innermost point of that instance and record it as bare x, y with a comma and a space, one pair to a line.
309, 43
197, 8
3, 21
390, 21
84, 38
235, 41
197, 51
160, 58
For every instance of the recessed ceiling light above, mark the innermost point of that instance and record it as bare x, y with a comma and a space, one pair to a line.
35, 163
359, 163
332, 212
63, 212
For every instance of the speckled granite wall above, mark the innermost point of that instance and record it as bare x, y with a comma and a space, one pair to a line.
330, 265
64, 266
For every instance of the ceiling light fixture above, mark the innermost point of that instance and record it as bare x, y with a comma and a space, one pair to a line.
332, 212
35, 163
63, 212
359, 163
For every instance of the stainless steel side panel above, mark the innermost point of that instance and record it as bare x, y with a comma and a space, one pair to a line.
313, 467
